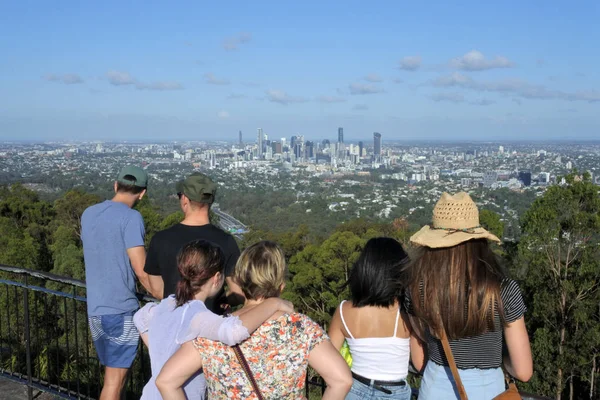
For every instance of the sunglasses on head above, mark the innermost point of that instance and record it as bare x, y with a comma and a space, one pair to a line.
179, 194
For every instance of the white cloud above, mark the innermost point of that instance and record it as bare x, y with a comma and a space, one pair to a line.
451, 97
118, 78
360, 88
476, 61
67, 79
213, 80
330, 99
410, 63
223, 114
360, 107
373, 78
281, 97
233, 43
515, 87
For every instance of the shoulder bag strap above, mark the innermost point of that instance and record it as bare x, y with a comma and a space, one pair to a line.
244, 363
452, 364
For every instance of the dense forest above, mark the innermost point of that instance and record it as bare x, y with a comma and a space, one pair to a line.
556, 259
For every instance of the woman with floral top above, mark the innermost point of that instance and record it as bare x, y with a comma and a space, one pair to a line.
165, 326
278, 352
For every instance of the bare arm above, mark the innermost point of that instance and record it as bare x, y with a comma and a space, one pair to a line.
255, 317
417, 353
336, 333
157, 286
519, 362
234, 293
328, 363
137, 257
177, 370
144, 337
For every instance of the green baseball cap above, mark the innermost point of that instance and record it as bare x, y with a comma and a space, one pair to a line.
198, 187
132, 175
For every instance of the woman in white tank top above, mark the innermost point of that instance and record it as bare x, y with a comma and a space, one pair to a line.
374, 325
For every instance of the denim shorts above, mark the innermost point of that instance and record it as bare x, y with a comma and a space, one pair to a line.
115, 338
481, 384
361, 391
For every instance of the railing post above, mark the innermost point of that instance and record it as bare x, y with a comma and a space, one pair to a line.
27, 339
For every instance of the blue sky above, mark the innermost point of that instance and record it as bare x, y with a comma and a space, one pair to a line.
199, 70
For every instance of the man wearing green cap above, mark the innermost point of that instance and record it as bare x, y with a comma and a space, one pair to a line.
113, 249
196, 194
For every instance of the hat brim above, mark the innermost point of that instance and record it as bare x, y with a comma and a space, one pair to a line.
440, 238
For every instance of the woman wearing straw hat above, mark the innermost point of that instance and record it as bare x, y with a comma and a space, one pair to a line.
457, 289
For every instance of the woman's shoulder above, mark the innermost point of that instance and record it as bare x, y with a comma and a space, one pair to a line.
509, 288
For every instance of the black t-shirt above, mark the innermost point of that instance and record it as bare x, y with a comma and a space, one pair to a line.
165, 245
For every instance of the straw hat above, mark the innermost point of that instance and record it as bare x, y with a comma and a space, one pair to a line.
455, 220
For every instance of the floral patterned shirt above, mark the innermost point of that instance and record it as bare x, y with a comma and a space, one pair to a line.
277, 353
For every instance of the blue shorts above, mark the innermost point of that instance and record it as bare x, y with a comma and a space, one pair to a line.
481, 384
361, 391
115, 338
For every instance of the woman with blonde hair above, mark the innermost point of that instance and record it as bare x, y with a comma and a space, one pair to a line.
272, 363
462, 299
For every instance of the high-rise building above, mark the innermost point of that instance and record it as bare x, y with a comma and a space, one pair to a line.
361, 147
260, 143
240, 138
309, 149
340, 135
377, 144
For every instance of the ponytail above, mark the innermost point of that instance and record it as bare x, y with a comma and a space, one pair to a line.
184, 292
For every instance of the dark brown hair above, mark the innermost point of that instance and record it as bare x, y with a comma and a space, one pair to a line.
131, 189
198, 261
261, 270
456, 287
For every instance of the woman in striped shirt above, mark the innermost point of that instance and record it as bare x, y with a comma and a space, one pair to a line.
456, 286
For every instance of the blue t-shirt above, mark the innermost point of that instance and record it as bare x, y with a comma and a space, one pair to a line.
108, 229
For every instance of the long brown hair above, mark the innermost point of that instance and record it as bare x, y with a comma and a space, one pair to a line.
458, 287
197, 261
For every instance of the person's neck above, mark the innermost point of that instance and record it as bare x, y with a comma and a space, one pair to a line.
196, 219
126, 199
202, 295
253, 303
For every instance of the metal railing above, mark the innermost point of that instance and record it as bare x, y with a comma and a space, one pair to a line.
45, 342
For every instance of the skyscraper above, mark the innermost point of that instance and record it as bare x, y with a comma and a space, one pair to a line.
260, 143
340, 135
240, 137
361, 146
377, 144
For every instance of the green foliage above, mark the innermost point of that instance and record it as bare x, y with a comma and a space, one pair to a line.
491, 221
559, 263
319, 275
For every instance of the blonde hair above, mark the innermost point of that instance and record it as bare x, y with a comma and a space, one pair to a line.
261, 270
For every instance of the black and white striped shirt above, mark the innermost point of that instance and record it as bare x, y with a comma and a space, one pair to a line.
483, 351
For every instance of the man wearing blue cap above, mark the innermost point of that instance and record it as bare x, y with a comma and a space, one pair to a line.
113, 249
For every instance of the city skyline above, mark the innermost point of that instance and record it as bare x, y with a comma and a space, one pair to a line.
120, 71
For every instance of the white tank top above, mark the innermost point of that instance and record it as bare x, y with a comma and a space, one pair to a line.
382, 359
